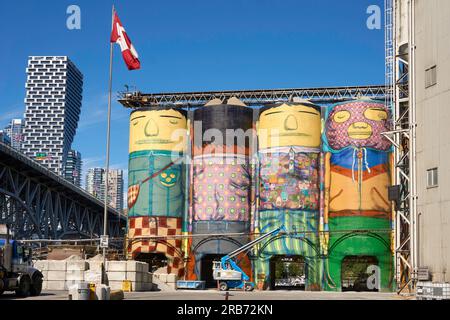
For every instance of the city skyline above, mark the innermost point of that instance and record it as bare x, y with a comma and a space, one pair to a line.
95, 185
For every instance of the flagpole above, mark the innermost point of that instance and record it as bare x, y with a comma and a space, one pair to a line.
108, 133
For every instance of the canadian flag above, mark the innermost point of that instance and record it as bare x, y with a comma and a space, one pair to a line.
129, 53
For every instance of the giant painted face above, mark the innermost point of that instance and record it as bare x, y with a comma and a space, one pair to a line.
289, 125
157, 130
358, 124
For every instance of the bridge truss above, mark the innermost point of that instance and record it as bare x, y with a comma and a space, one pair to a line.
38, 204
251, 97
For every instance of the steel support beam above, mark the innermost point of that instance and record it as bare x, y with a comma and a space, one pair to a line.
251, 97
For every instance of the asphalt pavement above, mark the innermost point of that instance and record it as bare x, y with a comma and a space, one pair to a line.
233, 295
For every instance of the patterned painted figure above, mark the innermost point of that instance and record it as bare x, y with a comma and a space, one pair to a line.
357, 176
221, 187
289, 189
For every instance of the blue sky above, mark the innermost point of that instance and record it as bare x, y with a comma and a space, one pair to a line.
187, 46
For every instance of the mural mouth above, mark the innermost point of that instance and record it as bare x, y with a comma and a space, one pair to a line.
158, 141
360, 135
170, 184
290, 134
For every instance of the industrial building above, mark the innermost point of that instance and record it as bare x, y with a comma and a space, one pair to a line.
419, 73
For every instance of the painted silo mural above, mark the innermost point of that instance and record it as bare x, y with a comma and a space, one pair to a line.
357, 212
320, 172
156, 179
289, 196
221, 187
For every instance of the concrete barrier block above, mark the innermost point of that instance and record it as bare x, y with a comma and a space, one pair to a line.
57, 265
44, 274
137, 286
77, 265
132, 265
163, 277
75, 275
56, 275
171, 278
145, 267
92, 276
172, 285
41, 265
135, 276
70, 283
56, 285
95, 266
117, 275
116, 266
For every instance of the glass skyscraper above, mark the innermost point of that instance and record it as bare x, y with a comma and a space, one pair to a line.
72, 169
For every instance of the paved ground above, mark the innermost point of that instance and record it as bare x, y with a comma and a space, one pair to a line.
234, 295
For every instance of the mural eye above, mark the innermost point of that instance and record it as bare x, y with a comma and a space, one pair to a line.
341, 116
173, 121
375, 114
135, 123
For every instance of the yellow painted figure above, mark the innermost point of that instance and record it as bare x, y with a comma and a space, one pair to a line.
289, 125
289, 138
158, 130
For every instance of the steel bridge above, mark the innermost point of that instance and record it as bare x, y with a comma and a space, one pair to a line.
38, 204
252, 97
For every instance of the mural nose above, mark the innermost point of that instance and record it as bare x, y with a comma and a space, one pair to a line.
290, 123
151, 128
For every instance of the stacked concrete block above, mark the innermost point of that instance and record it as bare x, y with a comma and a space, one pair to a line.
168, 279
42, 266
75, 272
134, 271
172, 280
93, 276
56, 275
62, 274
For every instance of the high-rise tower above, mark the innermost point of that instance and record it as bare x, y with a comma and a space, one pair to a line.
53, 104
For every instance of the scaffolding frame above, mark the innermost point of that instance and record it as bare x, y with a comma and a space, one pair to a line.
400, 83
